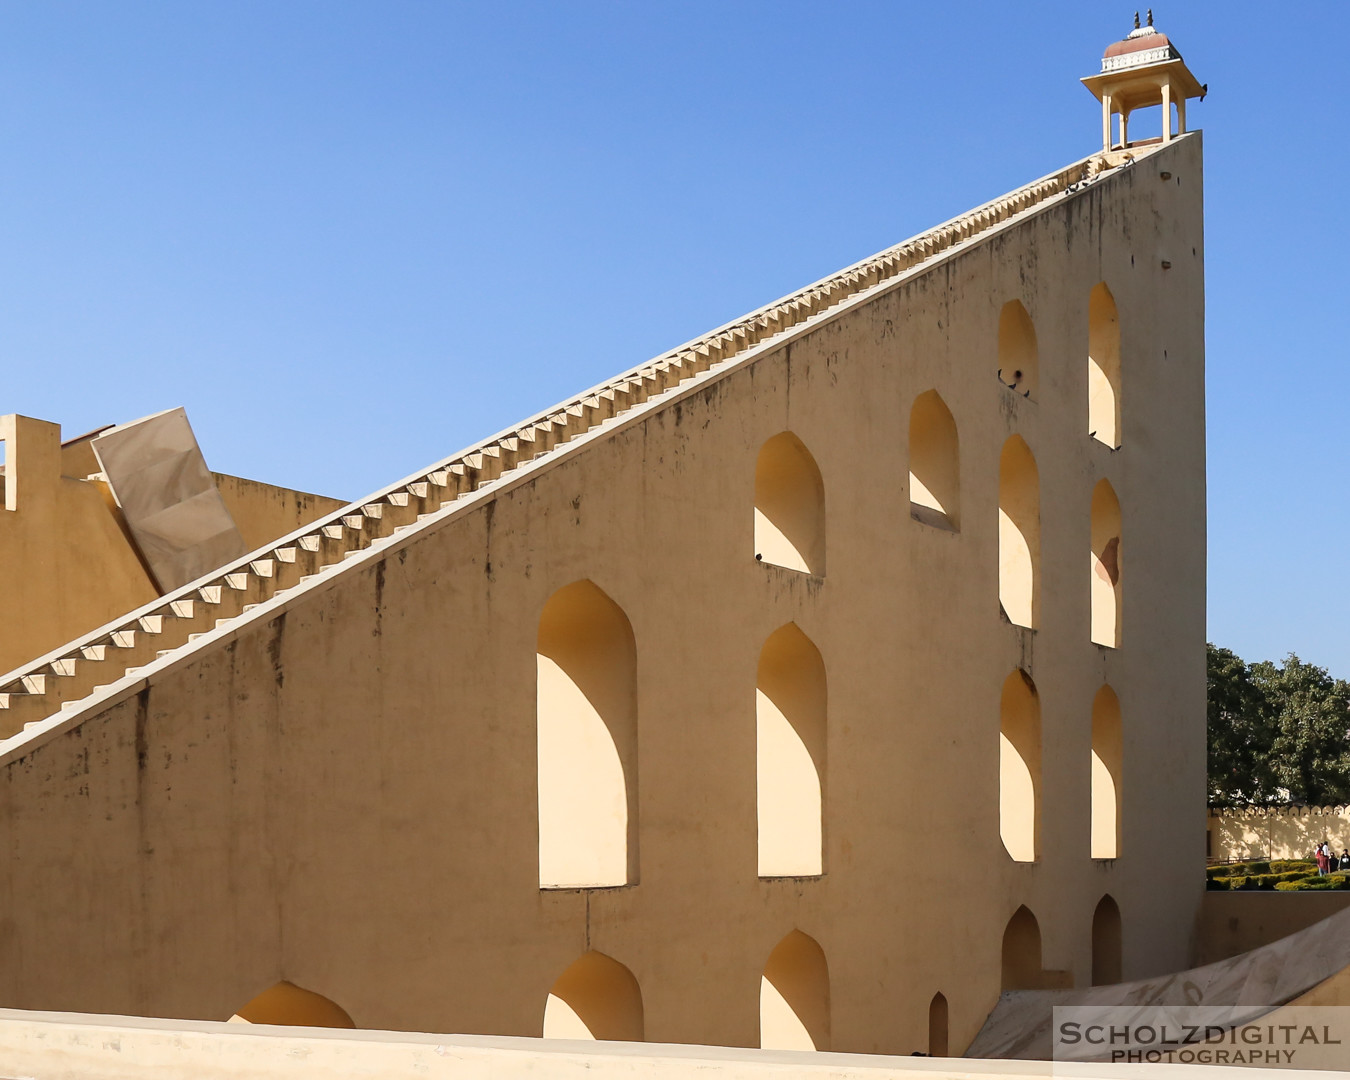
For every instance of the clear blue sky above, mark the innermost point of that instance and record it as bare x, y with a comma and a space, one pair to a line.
353, 237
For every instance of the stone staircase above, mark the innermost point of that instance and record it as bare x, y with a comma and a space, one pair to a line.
60, 680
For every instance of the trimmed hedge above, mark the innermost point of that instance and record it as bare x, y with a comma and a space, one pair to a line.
1238, 869
1315, 883
1285, 875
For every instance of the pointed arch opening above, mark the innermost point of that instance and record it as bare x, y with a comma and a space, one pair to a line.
1022, 951
790, 737
1106, 566
937, 1026
1019, 533
934, 463
1106, 945
794, 996
595, 998
586, 710
1020, 767
1018, 353
288, 1005
1107, 751
789, 506
1103, 366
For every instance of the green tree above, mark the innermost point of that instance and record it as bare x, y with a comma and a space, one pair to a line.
1241, 733
1309, 752
1278, 733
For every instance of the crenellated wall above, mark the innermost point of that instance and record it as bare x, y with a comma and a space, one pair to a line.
1275, 832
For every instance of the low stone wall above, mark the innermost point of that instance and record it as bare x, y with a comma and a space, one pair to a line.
76, 1046
1237, 922
1275, 832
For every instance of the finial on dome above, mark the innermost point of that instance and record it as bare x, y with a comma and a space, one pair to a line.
1150, 16
1136, 20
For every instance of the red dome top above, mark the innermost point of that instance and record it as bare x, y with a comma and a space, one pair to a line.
1147, 38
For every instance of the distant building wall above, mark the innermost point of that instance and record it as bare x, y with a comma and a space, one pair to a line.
263, 512
67, 562
1275, 832
66, 566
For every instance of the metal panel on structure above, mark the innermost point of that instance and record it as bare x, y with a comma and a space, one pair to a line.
168, 497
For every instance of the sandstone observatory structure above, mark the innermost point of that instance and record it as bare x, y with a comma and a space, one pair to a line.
806, 686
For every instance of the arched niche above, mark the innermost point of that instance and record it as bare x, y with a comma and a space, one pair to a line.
1107, 793
1020, 767
794, 996
1018, 354
789, 506
1019, 533
1103, 366
1106, 565
1022, 952
595, 998
938, 1026
1106, 943
790, 738
288, 1005
934, 463
586, 709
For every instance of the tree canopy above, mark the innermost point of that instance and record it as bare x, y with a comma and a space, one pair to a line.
1278, 733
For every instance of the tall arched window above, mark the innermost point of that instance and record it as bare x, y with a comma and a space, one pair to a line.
789, 506
1019, 533
1106, 565
587, 741
1018, 354
1106, 778
937, 1026
1022, 952
790, 726
1106, 949
934, 463
1020, 767
596, 998
289, 1005
794, 996
1103, 366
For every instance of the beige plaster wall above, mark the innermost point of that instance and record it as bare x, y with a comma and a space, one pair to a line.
1232, 923
66, 566
1280, 832
264, 512
345, 795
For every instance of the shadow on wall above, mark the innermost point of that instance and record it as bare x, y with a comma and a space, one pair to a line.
934, 464
1106, 942
790, 738
937, 1026
1022, 968
587, 741
1019, 795
789, 506
1018, 355
1106, 600
1019, 533
1103, 367
596, 998
794, 996
1107, 754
